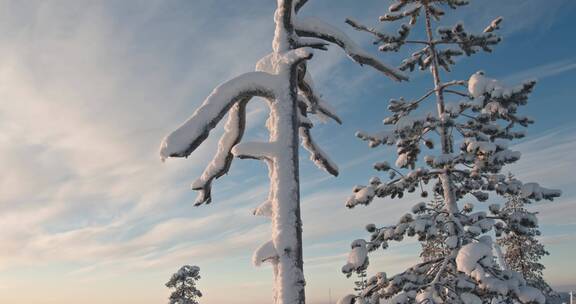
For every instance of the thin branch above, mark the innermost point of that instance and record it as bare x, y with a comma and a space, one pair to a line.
453, 83
255, 150
298, 4
417, 42
425, 96
442, 268
458, 93
359, 27
317, 155
311, 27
220, 164
307, 89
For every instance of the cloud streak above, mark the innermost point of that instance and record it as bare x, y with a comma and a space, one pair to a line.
89, 88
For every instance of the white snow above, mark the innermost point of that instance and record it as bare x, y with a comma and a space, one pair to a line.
425, 296
479, 84
469, 298
402, 160
317, 155
452, 241
312, 24
527, 294
186, 138
265, 209
362, 196
534, 191
233, 131
268, 64
419, 207
499, 256
256, 150
307, 25
443, 159
494, 25
469, 255
265, 253
357, 256
484, 147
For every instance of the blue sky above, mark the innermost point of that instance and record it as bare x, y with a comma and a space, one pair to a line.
89, 88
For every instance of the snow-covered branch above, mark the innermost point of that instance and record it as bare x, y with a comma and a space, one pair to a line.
255, 150
316, 103
312, 27
298, 4
220, 164
186, 138
317, 155
265, 253
452, 275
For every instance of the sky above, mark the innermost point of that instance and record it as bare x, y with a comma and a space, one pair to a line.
89, 213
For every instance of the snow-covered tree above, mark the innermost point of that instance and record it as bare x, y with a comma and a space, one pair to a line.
433, 248
184, 283
474, 129
523, 251
283, 80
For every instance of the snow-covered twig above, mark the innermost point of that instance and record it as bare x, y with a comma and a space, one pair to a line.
312, 27
220, 164
317, 155
186, 138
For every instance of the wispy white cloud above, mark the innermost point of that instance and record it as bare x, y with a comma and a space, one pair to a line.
542, 71
81, 125
87, 105
89, 88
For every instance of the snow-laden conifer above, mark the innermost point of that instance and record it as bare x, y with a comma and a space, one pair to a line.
466, 139
283, 80
522, 251
433, 248
184, 284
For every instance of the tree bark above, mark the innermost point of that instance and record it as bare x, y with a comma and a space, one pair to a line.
449, 197
286, 218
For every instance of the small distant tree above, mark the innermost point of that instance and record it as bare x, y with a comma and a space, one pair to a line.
283, 80
468, 138
523, 251
184, 283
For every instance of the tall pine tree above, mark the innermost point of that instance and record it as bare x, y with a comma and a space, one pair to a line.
468, 138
